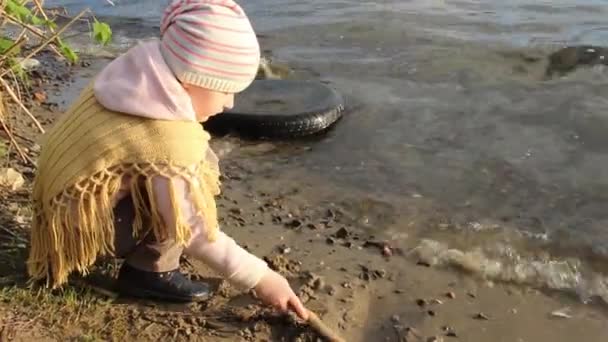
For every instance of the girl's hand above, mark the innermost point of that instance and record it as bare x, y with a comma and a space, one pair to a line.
274, 290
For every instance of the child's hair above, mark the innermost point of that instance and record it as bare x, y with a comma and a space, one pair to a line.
210, 43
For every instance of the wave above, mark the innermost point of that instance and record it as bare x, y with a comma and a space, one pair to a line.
503, 264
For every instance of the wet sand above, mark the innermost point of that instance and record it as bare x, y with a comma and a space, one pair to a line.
366, 287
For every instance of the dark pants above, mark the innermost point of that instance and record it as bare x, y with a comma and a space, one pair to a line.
144, 253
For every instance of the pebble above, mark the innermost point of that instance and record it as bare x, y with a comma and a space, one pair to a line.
295, 223
331, 290
237, 211
562, 313
396, 318
431, 313
314, 226
421, 302
284, 249
423, 263
411, 335
318, 284
451, 295
481, 316
11, 179
342, 233
449, 331
434, 339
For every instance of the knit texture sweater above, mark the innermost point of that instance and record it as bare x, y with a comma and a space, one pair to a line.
81, 166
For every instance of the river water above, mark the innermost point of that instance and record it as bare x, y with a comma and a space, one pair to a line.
450, 113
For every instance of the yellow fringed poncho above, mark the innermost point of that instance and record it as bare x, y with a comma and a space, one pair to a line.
80, 170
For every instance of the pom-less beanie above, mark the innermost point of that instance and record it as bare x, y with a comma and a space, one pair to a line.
210, 43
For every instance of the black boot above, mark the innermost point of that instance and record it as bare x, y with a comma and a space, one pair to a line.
169, 286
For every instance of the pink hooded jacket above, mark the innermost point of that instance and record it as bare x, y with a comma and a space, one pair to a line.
140, 83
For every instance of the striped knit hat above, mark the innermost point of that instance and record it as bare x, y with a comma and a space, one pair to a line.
210, 43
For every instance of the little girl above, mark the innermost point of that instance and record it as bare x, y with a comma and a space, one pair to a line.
128, 171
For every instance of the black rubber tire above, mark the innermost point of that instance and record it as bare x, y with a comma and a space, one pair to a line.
280, 109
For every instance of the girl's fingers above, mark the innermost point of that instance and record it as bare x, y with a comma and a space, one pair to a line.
299, 309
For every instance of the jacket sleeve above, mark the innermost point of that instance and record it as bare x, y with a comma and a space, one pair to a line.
241, 268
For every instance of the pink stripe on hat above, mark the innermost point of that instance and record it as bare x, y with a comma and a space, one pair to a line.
210, 43
212, 46
204, 56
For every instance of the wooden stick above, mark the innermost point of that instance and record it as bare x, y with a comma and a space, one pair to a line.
315, 322
14, 142
16, 99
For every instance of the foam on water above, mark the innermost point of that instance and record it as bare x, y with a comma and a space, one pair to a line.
503, 263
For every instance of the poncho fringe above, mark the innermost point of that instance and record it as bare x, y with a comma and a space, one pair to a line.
77, 226
73, 199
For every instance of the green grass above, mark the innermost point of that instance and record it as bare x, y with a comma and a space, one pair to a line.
72, 312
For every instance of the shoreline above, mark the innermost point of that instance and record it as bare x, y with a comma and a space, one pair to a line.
363, 288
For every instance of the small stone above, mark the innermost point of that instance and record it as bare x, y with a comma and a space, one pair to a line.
331, 290
423, 263
295, 223
421, 302
342, 233
396, 318
28, 64
562, 313
330, 241
236, 211
481, 316
449, 331
436, 301
11, 179
314, 226
431, 313
471, 294
381, 273
434, 339
411, 335
450, 295
40, 96
318, 284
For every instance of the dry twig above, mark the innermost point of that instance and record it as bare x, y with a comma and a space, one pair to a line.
15, 98
51, 38
13, 141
